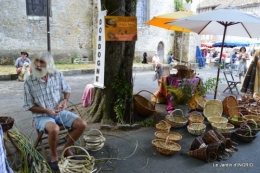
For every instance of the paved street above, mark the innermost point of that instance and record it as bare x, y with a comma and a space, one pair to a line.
132, 151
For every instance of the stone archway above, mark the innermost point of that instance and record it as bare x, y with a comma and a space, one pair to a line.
160, 51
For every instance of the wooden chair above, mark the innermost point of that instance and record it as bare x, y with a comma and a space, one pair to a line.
232, 84
42, 140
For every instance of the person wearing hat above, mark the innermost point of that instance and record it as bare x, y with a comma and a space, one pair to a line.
20, 61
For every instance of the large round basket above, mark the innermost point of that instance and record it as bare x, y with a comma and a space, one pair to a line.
211, 110
163, 126
195, 117
94, 141
176, 121
223, 127
217, 120
173, 136
6, 123
165, 146
69, 164
230, 106
143, 106
196, 128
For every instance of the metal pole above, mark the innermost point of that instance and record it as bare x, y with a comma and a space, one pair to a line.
219, 62
48, 28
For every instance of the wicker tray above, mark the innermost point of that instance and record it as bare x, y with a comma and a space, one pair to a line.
163, 126
223, 127
176, 121
201, 101
195, 117
173, 136
143, 106
211, 110
217, 120
196, 128
165, 146
94, 141
6, 123
68, 164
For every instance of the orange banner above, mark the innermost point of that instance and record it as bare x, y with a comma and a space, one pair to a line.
121, 28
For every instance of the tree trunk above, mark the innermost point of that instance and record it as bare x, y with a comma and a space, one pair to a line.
119, 58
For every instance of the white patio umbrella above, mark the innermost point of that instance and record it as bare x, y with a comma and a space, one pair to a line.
224, 21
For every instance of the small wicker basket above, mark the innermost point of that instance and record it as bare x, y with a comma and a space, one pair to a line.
6, 123
217, 120
163, 126
165, 146
68, 164
143, 106
237, 120
223, 127
94, 141
176, 121
195, 117
196, 128
173, 136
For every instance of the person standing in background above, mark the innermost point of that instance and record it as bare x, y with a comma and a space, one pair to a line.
145, 58
242, 66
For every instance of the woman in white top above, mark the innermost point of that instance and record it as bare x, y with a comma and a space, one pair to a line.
242, 67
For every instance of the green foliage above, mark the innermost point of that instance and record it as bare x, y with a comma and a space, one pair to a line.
122, 91
178, 5
208, 86
73, 58
189, 1
147, 123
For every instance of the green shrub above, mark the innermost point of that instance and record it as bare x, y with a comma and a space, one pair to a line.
73, 58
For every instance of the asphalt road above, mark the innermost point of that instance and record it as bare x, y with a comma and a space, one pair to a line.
132, 152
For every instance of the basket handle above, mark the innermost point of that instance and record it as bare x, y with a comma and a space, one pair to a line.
194, 112
253, 121
94, 130
150, 93
162, 121
62, 154
177, 110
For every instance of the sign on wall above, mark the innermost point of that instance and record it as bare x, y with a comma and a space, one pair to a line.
121, 28
100, 51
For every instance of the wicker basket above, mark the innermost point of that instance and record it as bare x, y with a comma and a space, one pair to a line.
253, 125
68, 164
197, 143
256, 96
201, 101
176, 121
196, 128
211, 110
253, 117
165, 146
222, 127
143, 106
210, 138
163, 126
173, 136
245, 135
195, 117
215, 101
217, 120
200, 153
230, 106
94, 141
6, 123
158, 98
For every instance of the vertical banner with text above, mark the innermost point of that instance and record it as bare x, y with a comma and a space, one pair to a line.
100, 51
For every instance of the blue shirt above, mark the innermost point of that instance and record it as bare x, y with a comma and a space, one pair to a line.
19, 62
170, 59
45, 95
4, 166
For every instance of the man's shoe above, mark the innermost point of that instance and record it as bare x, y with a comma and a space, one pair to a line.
54, 166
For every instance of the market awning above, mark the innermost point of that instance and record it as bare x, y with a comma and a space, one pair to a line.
209, 45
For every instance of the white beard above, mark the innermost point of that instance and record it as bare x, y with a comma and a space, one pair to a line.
39, 73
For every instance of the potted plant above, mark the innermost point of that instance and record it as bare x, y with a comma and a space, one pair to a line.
184, 94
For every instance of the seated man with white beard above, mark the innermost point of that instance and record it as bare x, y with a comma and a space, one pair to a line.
46, 94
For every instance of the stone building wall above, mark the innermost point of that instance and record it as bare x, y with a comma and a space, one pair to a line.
150, 36
69, 30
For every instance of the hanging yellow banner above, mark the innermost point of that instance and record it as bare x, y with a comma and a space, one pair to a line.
121, 28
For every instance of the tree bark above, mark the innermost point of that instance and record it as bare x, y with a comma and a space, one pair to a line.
119, 58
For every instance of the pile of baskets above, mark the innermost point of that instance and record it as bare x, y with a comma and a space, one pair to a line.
166, 142
211, 147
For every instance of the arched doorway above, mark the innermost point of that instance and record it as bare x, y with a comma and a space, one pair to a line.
160, 51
